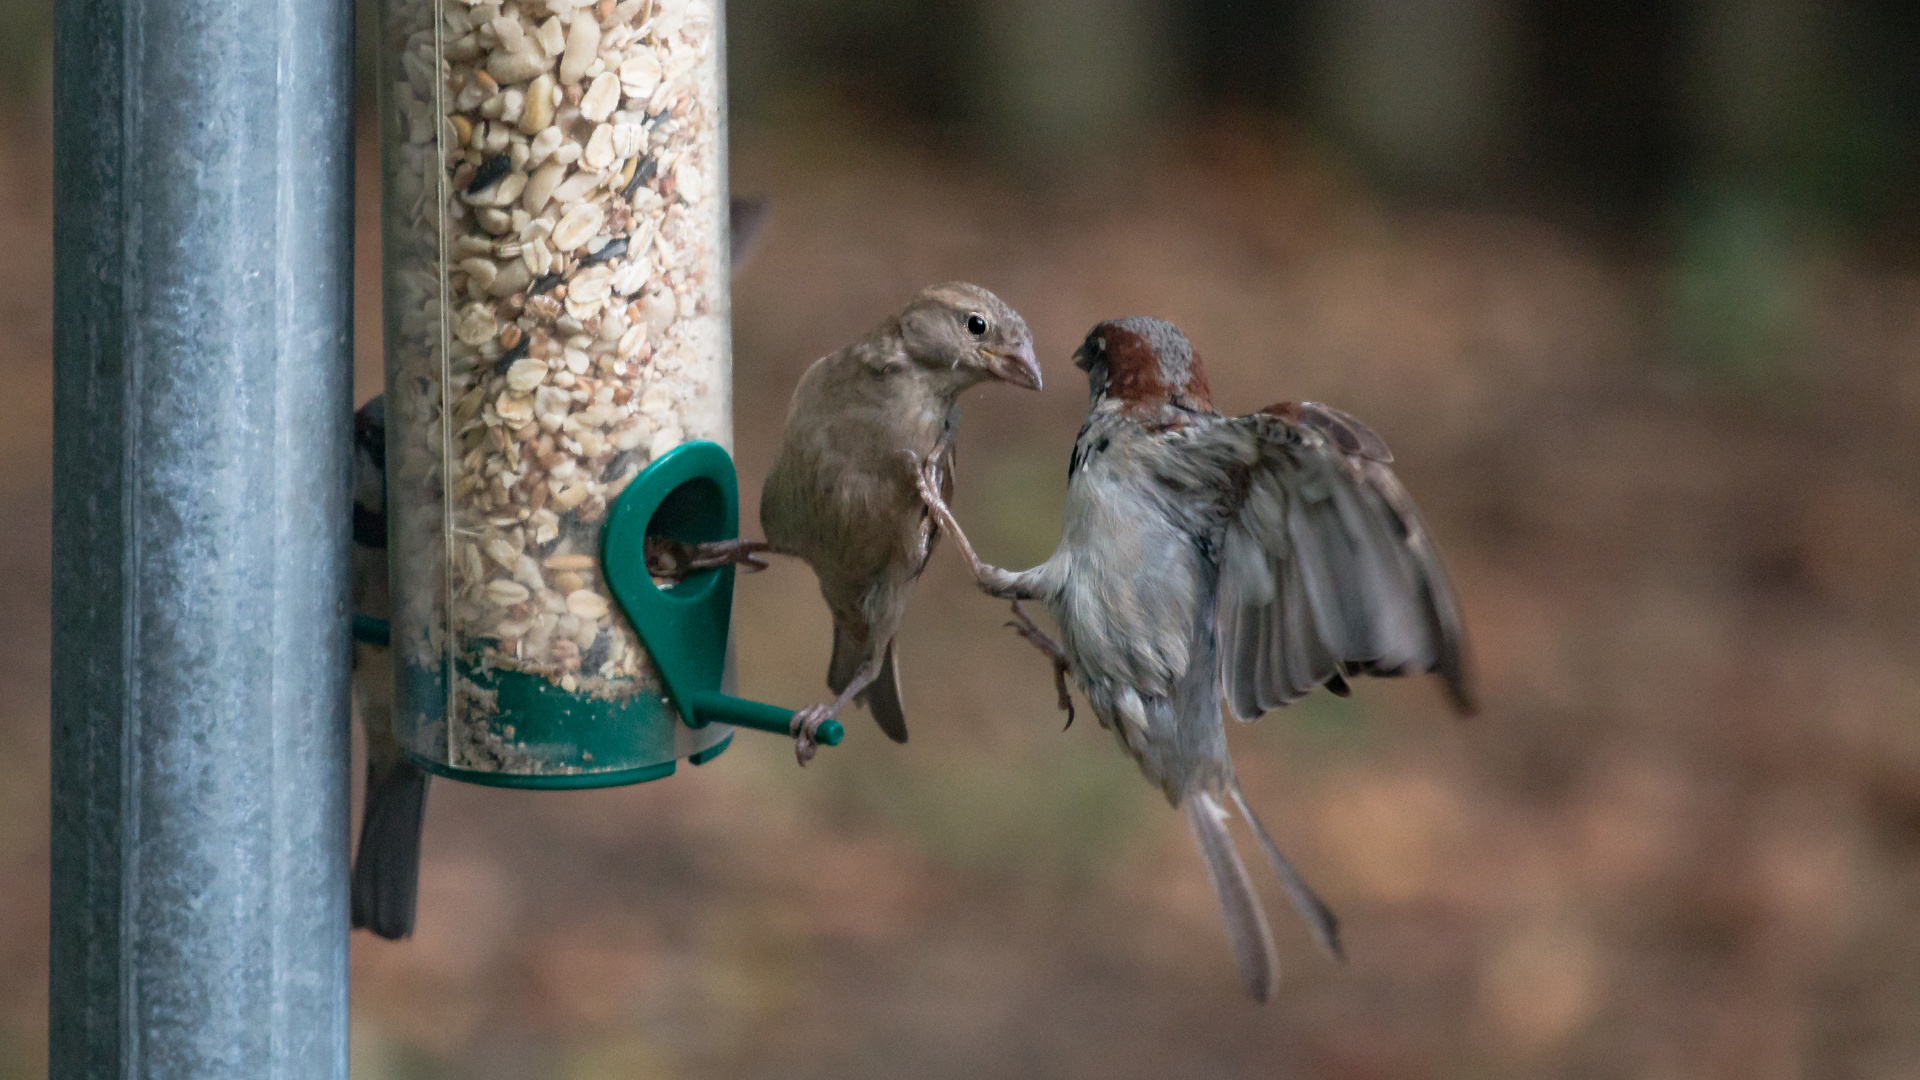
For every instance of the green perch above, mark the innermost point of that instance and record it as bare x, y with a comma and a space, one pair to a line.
687, 494
711, 707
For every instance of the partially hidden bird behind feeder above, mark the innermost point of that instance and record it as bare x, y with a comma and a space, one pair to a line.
1257, 556
386, 868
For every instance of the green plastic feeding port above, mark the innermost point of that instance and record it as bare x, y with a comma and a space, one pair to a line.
534, 733
689, 495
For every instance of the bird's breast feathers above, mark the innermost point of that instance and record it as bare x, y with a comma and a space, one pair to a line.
840, 486
1131, 577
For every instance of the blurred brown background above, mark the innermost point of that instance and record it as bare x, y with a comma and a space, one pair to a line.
1633, 289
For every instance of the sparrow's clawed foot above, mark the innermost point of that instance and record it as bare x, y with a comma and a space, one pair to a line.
926, 476
1027, 628
739, 552
672, 560
805, 728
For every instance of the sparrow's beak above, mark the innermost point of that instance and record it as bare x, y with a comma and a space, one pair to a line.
1083, 359
1015, 365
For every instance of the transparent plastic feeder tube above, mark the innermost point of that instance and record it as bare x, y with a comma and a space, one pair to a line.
556, 318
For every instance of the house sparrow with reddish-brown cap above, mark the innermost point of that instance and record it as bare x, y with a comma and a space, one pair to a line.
842, 493
1201, 556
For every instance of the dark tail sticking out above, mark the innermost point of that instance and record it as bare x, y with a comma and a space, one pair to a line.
386, 869
1247, 932
883, 700
882, 696
1319, 917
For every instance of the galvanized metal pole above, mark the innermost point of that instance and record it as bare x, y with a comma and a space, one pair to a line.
203, 238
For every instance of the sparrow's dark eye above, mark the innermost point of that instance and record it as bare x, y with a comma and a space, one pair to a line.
1091, 353
976, 324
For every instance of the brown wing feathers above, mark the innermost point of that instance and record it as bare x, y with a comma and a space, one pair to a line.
1329, 571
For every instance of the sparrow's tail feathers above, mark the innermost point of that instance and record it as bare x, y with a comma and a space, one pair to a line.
849, 650
1320, 917
882, 698
1247, 931
386, 870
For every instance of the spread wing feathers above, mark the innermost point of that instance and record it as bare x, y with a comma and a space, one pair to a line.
1247, 930
1326, 568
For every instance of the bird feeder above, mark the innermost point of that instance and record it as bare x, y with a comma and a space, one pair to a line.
558, 387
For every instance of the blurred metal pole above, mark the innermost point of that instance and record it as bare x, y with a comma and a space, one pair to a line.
202, 351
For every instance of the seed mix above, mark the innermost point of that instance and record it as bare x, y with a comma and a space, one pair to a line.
556, 319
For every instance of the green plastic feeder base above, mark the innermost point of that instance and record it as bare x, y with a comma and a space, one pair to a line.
615, 778
563, 782
545, 738
536, 735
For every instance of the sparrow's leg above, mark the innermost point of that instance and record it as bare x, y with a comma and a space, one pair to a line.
923, 538
938, 467
807, 721
992, 580
739, 552
671, 560
1040, 640
940, 462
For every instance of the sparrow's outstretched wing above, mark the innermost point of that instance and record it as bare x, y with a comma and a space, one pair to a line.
1326, 569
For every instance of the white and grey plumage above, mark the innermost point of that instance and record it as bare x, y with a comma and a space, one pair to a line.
1208, 560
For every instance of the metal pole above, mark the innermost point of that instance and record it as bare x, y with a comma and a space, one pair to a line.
203, 238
